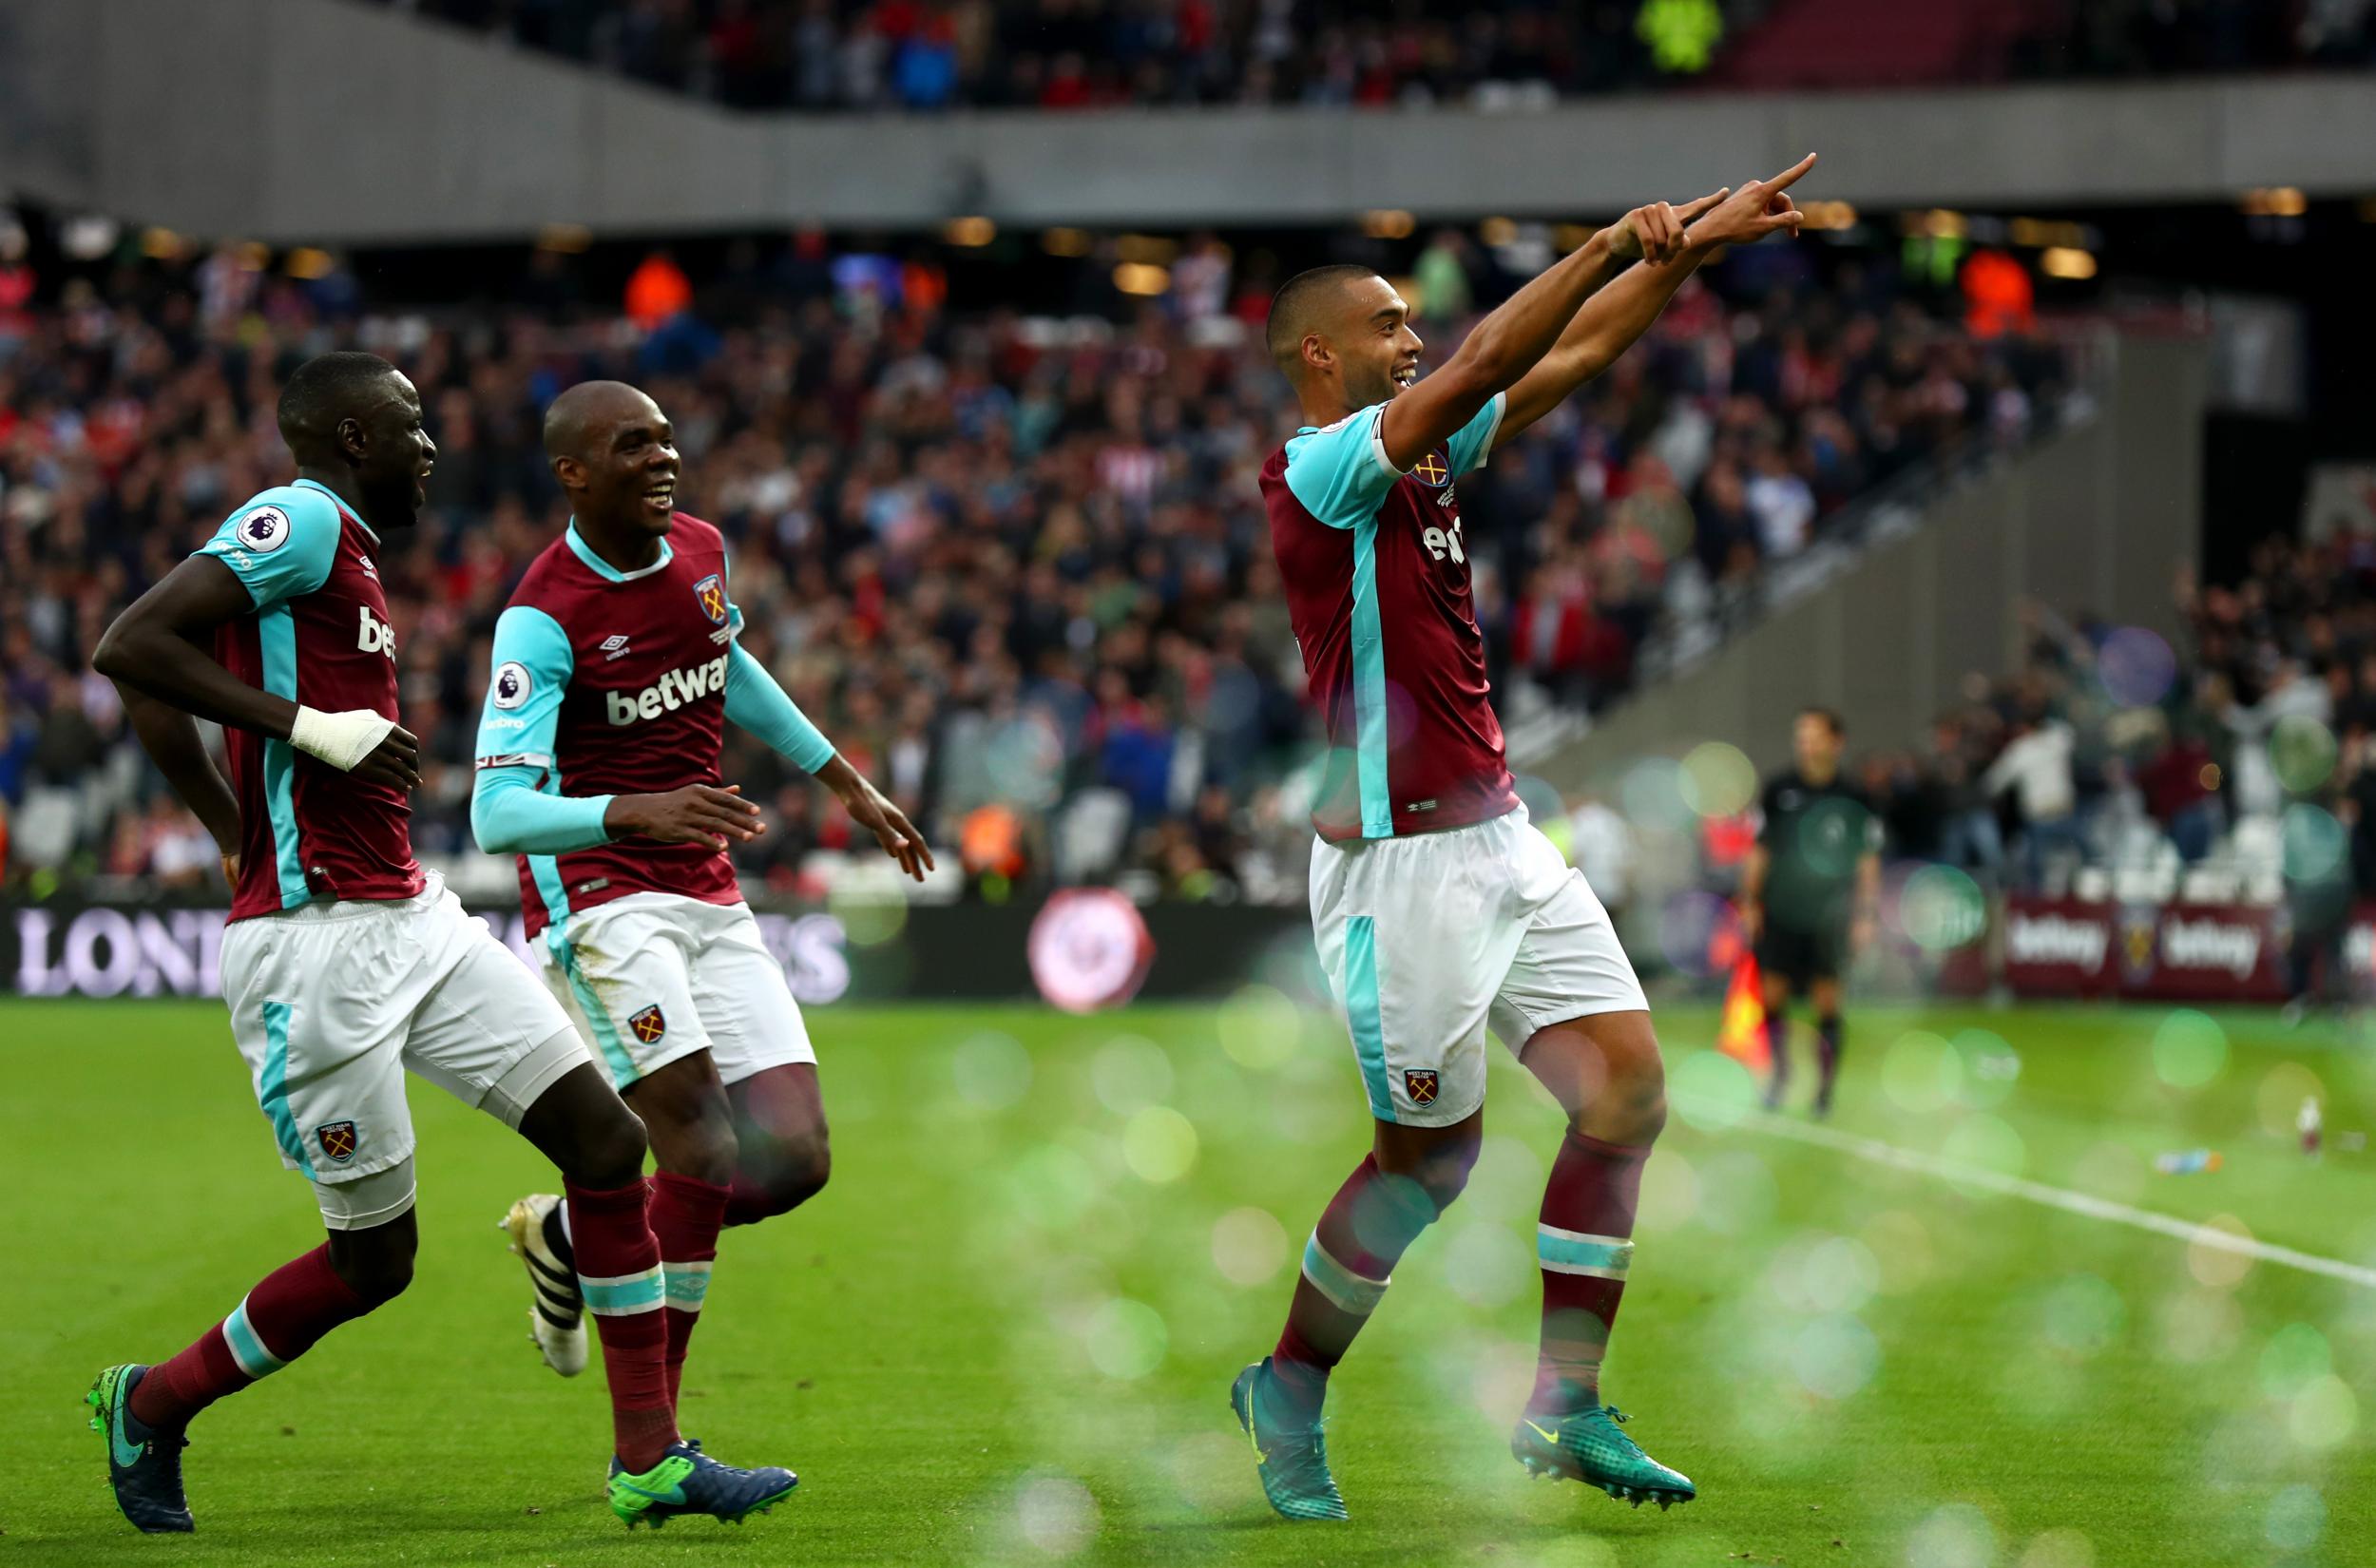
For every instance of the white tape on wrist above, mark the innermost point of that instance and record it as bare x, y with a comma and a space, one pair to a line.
342, 739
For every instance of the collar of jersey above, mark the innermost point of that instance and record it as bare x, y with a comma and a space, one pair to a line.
317, 485
605, 569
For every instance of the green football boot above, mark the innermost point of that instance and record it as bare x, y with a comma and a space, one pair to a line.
1292, 1460
687, 1481
143, 1464
1587, 1446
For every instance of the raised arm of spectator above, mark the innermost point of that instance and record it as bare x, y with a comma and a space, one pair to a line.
1613, 319
263, 555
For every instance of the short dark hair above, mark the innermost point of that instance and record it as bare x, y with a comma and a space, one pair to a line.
1831, 719
1297, 302
326, 389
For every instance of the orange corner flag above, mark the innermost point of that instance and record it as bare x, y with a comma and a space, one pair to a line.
1741, 1034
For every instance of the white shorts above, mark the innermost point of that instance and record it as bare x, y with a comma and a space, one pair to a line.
1429, 939
652, 977
331, 1002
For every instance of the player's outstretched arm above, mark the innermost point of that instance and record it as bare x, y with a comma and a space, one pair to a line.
1613, 319
872, 810
162, 645
1517, 334
171, 739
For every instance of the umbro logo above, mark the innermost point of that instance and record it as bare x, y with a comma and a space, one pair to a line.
614, 646
368, 571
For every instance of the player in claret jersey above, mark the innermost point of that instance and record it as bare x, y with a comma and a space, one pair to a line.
1439, 909
616, 672
344, 964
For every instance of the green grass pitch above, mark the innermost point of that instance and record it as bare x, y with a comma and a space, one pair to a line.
1005, 1333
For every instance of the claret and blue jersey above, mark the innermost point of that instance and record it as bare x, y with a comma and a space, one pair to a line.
1376, 568
609, 682
319, 635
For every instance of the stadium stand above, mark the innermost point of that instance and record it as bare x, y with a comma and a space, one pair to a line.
1015, 564
925, 57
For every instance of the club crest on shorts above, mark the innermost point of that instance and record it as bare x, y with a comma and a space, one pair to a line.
338, 1140
1419, 1084
711, 591
648, 1025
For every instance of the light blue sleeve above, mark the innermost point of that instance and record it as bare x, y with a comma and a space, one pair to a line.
280, 545
517, 807
1341, 474
511, 814
757, 704
522, 712
1473, 441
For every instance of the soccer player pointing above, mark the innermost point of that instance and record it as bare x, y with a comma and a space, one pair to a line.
616, 671
1439, 910
345, 963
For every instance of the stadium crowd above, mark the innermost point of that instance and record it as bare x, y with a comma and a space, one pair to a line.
931, 55
1016, 566
2237, 764
926, 55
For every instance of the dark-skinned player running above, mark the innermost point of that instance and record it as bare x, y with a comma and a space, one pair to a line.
616, 671
345, 963
1439, 910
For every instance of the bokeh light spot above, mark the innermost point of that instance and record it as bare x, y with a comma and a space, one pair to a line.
1835, 1356
1943, 909
1711, 1091
1158, 1144
1921, 1073
1249, 1245
2324, 1413
2136, 667
992, 1071
1128, 1339
1259, 1026
2296, 1519
2302, 751
1129, 1073
2190, 1049
1957, 1535
1718, 779
1055, 1514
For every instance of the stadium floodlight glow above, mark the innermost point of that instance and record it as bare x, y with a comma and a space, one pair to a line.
1388, 223
1497, 231
307, 263
565, 238
2064, 262
89, 237
1146, 249
1065, 242
1142, 277
159, 244
252, 254
1568, 236
1829, 215
2275, 201
970, 232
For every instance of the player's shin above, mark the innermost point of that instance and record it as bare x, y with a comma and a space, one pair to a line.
1374, 1218
687, 1215
288, 1311
619, 1271
1585, 1244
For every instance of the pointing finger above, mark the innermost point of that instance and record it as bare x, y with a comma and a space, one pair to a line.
1790, 177
1691, 210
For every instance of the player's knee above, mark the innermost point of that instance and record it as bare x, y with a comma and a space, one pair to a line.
1636, 1091
797, 1173
376, 1273
609, 1149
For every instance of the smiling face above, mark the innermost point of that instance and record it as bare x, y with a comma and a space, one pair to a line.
1371, 342
391, 452
623, 474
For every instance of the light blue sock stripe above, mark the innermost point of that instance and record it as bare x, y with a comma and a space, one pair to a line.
271, 1090
687, 1287
276, 637
1369, 649
617, 1297
246, 1348
597, 1016
1348, 1290
1361, 1011
1611, 1257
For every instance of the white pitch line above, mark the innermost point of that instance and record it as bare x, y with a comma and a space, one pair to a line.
2055, 1197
